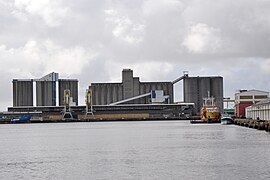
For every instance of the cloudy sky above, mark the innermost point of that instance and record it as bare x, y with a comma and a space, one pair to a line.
93, 40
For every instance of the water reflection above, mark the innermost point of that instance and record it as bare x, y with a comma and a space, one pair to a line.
133, 150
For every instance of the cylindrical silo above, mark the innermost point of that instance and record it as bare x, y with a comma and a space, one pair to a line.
22, 92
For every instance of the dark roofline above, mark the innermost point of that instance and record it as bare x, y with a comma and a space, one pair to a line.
152, 82
68, 80
203, 77
105, 84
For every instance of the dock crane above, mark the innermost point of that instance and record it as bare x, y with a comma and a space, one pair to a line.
67, 111
88, 102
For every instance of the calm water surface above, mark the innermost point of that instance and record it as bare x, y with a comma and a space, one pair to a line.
133, 150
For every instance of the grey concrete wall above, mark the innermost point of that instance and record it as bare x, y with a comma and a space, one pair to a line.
170, 92
136, 89
95, 94
197, 88
106, 93
191, 91
22, 93
70, 84
167, 87
143, 91
217, 91
203, 88
46, 93
127, 80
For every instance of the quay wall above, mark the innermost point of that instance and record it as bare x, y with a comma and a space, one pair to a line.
255, 124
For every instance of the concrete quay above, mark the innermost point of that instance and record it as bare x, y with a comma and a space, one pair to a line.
255, 124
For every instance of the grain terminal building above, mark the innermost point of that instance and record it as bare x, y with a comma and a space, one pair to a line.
46, 91
197, 88
130, 98
108, 93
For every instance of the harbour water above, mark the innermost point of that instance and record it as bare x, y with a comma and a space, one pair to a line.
133, 150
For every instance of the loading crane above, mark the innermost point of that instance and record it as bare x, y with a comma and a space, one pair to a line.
67, 111
88, 102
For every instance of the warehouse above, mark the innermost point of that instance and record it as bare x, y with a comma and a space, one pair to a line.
260, 110
246, 98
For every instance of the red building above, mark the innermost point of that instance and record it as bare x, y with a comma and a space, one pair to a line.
240, 109
245, 98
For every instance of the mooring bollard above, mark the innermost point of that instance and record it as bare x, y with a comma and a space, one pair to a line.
251, 124
261, 126
267, 126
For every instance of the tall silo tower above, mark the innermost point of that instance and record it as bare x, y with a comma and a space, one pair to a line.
68, 84
22, 92
46, 90
197, 88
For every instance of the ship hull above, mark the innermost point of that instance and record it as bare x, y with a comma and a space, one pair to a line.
226, 120
213, 116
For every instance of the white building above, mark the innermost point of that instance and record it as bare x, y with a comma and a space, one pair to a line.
245, 98
253, 96
260, 110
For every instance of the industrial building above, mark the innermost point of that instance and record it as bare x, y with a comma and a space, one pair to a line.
132, 91
129, 99
245, 98
107, 112
46, 88
22, 92
260, 110
130, 88
197, 88
72, 85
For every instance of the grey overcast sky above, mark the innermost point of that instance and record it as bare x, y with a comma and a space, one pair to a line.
93, 40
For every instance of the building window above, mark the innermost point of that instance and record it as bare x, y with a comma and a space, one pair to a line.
260, 97
245, 97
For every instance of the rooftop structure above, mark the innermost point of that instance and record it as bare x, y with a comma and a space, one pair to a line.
245, 98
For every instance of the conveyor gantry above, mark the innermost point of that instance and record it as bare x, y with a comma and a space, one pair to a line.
180, 78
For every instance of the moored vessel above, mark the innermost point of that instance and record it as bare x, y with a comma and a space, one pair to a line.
210, 112
226, 120
22, 119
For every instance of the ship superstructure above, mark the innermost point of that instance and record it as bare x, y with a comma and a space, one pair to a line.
210, 112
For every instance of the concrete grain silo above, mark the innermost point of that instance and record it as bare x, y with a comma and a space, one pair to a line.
108, 93
22, 92
70, 84
197, 88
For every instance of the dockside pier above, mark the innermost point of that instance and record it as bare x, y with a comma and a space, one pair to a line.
255, 124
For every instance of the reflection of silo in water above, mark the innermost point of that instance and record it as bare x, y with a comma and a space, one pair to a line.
197, 88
